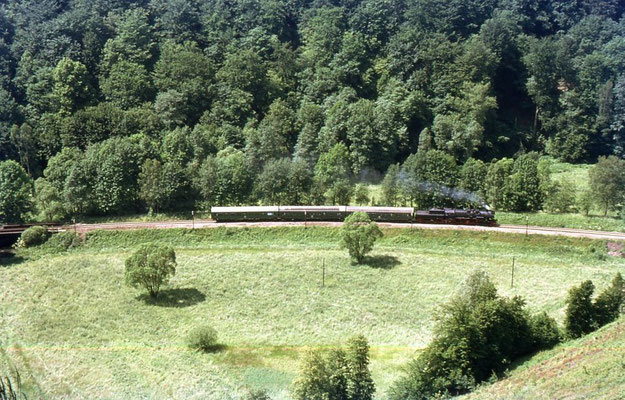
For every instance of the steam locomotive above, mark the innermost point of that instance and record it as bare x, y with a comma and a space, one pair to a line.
339, 213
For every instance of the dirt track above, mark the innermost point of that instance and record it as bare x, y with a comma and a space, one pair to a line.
200, 224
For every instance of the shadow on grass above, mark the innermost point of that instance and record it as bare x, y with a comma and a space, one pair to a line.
218, 348
175, 298
382, 261
8, 259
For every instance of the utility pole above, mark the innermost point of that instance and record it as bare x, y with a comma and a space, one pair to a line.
512, 279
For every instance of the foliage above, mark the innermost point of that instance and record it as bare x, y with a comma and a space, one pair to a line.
496, 179
583, 315
257, 395
225, 179
333, 174
63, 241
473, 176
428, 178
150, 267
425, 84
607, 182
579, 312
544, 331
523, 189
584, 201
608, 305
48, 201
560, 197
391, 186
359, 235
16, 188
477, 334
34, 236
337, 375
203, 338
361, 194
359, 382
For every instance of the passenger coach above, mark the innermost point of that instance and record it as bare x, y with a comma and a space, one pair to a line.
339, 213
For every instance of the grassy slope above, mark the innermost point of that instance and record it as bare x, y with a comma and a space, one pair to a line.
589, 368
82, 333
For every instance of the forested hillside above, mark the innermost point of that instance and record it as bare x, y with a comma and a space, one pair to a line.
113, 106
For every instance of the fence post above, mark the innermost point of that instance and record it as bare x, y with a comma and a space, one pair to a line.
512, 278
323, 273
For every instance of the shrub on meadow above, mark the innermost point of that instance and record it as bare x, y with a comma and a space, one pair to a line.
203, 338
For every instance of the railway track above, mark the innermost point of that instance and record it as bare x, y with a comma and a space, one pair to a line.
205, 223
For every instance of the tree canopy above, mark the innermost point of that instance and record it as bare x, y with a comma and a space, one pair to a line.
348, 87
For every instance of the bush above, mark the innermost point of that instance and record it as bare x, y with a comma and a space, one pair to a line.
608, 304
150, 267
584, 201
560, 197
579, 311
544, 330
34, 236
203, 338
361, 194
477, 334
64, 241
359, 235
337, 375
584, 316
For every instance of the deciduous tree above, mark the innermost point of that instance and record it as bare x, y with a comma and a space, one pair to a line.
150, 267
359, 235
16, 188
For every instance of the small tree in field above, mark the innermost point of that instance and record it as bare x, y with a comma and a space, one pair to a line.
150, 267
359, 235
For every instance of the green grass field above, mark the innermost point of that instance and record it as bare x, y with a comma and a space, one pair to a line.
74, 330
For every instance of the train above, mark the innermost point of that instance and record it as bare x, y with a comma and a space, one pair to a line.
453, 216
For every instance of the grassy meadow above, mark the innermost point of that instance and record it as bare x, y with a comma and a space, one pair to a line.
75, 330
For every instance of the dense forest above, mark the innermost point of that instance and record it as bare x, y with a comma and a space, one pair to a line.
111, 106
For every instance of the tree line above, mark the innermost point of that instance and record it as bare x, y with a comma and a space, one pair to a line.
121, 175
201, 88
